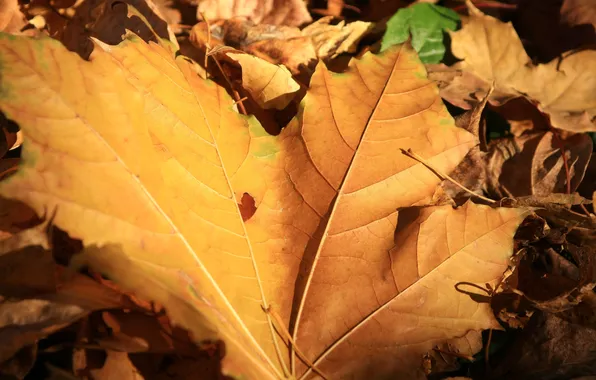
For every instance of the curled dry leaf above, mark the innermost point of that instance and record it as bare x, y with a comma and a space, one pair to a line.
534, 164
492, 51
276, 12
32, 305
332, 40
551, 347
297, 50
104, 20
271, 86
109, 20
15, 216
154, 165
531, 164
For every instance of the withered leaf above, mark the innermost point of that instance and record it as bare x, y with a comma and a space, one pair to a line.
147, 164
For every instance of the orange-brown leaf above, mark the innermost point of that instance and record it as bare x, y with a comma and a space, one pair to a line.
147, 163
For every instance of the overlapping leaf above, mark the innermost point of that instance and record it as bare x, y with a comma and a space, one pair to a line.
146, 163
491, 51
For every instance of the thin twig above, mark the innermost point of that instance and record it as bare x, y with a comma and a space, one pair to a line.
285, 334
585, 210
208, 54
9, 170
561, 146
208, 44
443, 176
487, 347
565, 164
241, 100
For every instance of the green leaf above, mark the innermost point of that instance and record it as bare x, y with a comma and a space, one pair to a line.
426, 23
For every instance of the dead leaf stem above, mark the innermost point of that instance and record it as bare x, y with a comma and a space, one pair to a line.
208, 53
486, 348
208, 44
286, 335
561, 146
443, 176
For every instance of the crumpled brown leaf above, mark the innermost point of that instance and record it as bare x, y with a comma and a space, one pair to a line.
534, 165
276, 12
333, 40
550, 348
492, 52
37, 297
531, 164
298, 50
104, 20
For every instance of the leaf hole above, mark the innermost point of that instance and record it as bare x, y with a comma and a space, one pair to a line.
247, 206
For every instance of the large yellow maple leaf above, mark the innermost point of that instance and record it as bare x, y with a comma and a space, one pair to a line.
147, 163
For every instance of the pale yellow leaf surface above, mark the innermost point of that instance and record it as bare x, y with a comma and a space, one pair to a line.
146, 162
276, 12
492, 51
272, 86
330, 41
121, 148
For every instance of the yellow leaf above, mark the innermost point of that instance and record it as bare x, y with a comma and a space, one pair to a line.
272, 86
332, 40
147, 163
121, 147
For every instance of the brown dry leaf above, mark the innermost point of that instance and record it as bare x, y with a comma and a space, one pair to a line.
551, 347
578, 12
295, 49
15, 216
155, 165
522, 116
271, 86
139, 332
36, 297
415, 286
20, 364
492, 51
276, 12
109, 20
104, 20
24, 322
533, 164
276, 44
332, 40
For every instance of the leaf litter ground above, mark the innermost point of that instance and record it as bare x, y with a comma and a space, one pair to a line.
296, 240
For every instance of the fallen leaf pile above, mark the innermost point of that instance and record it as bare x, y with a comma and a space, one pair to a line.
258, 195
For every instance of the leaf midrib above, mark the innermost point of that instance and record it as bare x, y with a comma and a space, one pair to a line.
335, 203
150, 196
